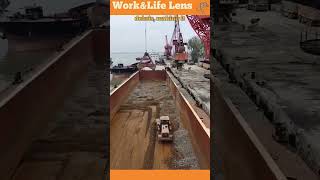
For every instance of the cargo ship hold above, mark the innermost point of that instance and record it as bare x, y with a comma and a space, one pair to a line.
134, 107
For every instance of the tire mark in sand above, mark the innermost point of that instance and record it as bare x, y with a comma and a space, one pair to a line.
149, 157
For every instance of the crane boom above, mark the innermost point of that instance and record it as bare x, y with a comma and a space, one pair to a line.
201, 25
180, 54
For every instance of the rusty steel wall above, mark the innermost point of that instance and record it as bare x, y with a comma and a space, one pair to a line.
101, 50
121, 93
241, 154
200, 135
27, 107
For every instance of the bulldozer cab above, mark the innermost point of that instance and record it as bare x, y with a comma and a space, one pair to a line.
164, 120
164, 129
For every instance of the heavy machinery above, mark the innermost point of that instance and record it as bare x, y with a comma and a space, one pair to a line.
164, 129
146, 60
201, 25
180, 55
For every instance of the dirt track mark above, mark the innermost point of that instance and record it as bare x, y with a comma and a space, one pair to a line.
149, 111
149, 157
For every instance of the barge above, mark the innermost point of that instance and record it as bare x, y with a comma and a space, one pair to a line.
120, 68
33, 30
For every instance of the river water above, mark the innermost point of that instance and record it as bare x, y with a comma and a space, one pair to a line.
125, 58
11, 63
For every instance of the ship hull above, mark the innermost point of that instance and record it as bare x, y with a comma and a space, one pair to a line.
123, 70
41, 34
23, 43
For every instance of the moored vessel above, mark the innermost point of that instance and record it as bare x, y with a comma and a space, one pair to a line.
120, 68
32, 30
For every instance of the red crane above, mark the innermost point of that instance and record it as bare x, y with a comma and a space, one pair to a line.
201, 25
180, 55
167, 49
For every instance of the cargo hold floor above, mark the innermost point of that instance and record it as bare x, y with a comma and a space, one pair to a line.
133, 141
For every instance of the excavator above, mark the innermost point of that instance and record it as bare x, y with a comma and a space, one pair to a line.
180, 55
145, 60
201, 25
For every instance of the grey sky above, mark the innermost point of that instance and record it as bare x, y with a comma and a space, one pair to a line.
127, 35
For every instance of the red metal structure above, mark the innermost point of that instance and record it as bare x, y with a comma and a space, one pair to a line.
167, 49
201, 25
180, 54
